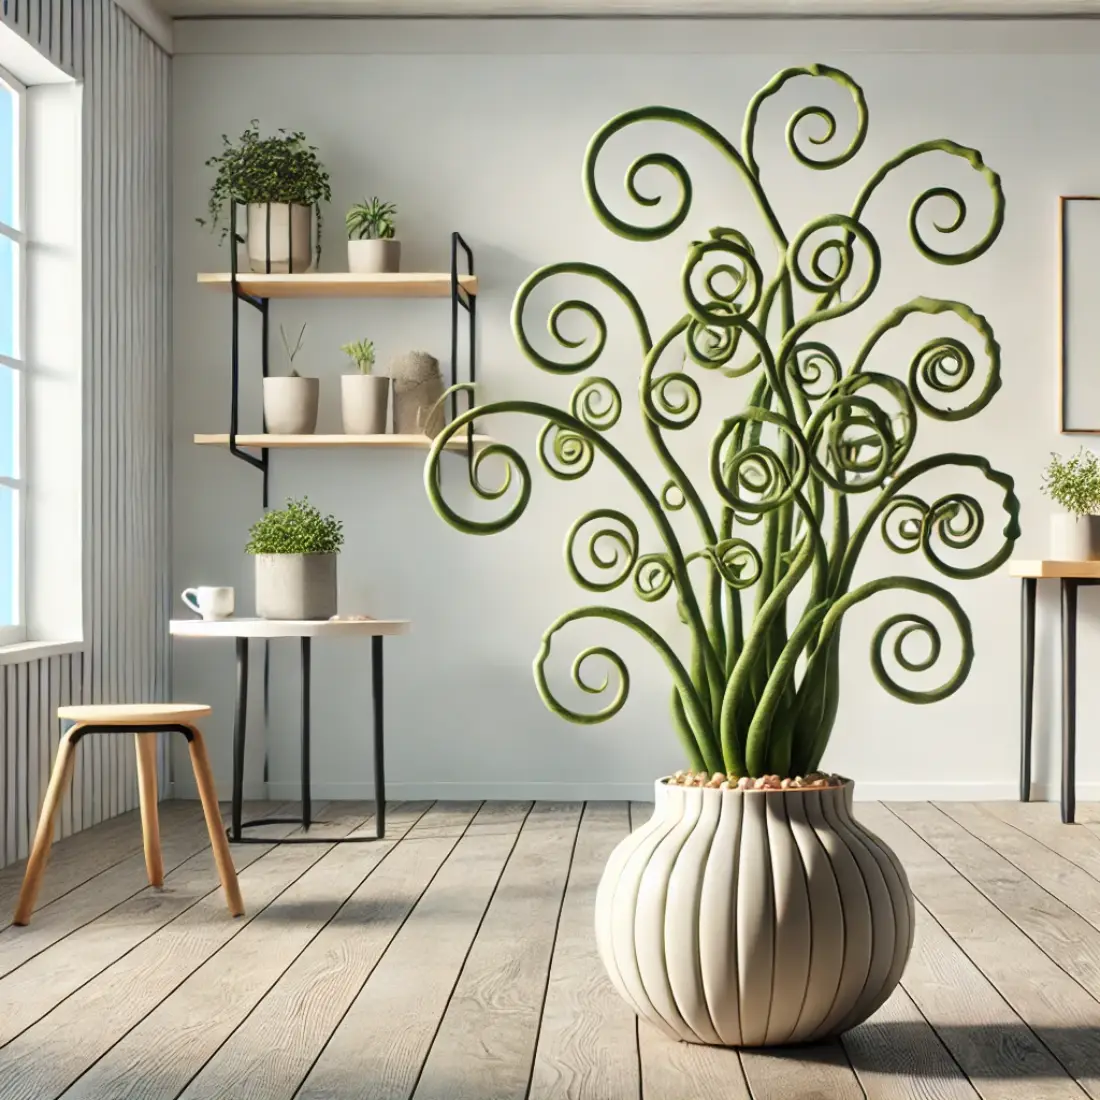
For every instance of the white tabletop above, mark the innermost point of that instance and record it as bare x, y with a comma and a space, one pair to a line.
285, 628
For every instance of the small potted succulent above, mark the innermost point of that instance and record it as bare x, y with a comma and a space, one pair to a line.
1074, 483
372, 249
364, 397
295, 550
290, 401
282, 182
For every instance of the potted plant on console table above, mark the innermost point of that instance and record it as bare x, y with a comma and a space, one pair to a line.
753, 909
295, 550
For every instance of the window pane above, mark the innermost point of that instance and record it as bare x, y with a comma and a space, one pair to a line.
8, 167
9, 305
9, 422
8, 555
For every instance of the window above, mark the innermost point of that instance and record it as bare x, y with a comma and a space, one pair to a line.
12, 360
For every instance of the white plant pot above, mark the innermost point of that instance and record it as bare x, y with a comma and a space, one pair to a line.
295, 586
753, 918
290, 235
290, 405
374, 257
364, 401
1073, 538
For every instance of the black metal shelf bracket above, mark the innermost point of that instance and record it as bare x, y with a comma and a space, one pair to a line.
262, 304
461, 297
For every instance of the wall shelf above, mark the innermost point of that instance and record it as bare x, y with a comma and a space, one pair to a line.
341, 284
392, 441
258, 289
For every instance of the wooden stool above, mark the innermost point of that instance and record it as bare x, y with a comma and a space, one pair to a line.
144, 720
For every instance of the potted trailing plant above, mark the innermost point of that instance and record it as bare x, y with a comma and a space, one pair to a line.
295, 550
290, 401
282, 182
364, 397
1074, 483
372, 249
753, 909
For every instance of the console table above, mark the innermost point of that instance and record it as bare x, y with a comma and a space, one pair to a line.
305, 630
1072, 575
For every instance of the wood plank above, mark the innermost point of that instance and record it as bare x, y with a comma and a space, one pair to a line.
30, 992
588, 1040
342, 284
390, 440
1047, 568
897, 1056
980, 982
165, 1051
687, 1071
1042, 821
187, 838
82, 857
818, 1071
378, 1049
486, 1041
310, 999
1060, 877
47, 1057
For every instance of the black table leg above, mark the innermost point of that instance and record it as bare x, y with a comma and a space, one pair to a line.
1069, 698
379, 735
1027, 679
239, 724
307, 809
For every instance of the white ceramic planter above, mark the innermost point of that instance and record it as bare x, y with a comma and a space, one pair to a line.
290, 236
295, 586
374, 257
290, 405
364, 401
753, 918
1073, 538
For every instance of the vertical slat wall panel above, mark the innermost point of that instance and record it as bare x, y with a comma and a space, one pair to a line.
126, 287
51, 26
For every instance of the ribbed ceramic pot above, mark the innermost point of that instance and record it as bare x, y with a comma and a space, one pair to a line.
753, 918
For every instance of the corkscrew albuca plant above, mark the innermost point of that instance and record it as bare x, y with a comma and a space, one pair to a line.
798, 481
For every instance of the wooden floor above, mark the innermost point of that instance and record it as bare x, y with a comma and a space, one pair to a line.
455, 961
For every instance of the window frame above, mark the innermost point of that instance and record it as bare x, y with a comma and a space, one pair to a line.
18, 632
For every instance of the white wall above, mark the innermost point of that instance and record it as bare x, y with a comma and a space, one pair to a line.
489, 139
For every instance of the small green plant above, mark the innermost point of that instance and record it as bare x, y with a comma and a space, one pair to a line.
1074, 482
299, 528
361, 353
283, 168
371, 220
292, 353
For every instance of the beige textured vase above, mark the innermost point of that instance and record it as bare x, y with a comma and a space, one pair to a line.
753, 918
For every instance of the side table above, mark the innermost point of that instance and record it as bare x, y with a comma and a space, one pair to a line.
1072, 575
305, 630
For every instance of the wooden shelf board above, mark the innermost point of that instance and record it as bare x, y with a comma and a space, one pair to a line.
1080, 570
341, 284
406, 442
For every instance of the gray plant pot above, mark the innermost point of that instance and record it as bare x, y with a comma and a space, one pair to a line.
364, 400
290, 405
374, 257
295, 586
290, 231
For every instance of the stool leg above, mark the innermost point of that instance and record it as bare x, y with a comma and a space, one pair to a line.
204, 779
43, 838
146, 744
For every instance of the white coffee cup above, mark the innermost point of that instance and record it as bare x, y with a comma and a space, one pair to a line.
208, 601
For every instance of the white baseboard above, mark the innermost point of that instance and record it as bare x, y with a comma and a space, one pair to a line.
888, 791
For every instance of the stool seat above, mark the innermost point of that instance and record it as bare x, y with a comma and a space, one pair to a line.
130, 714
